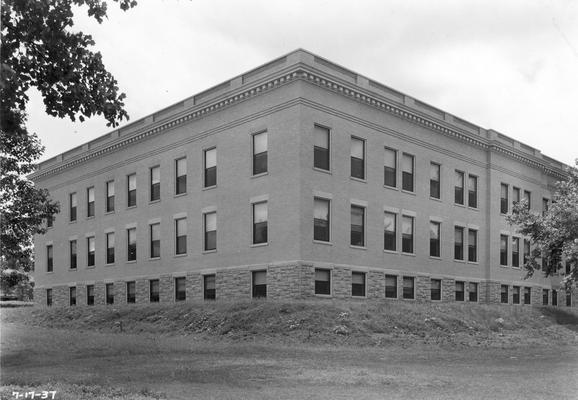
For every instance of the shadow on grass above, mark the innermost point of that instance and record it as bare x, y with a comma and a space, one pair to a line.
562, 317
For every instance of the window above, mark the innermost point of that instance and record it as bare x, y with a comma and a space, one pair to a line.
434, 180
210, 231
473, 191
321, 220
458, 243
110, 196
390, 168
260, 215
72, 296
180, 289
545, 296
154, 291
260, 153
90, 202
516, 295
90, 254
210, 167
554, 297
73, 254
131, 190
259, 284
408, 287
407, 172
48, 297
131, 244
357, 158
321, 148
155, 232
568, 299
515, 252
407, 234
109, 293
73, 205
460, 291
181, 176
155, 176
528, 198
357, 226
110, 248
322, 281
358, 284
49, 222
89, 295
545, 206
527, 295
459, 188
472, 245
503, 198
436, 289
389, 231
526, 251
434, 239
131, 292
209, 291
473, 292
390, 287
504, 294
503, 250
515, 195
181, 236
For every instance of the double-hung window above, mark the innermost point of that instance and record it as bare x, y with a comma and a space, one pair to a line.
390, 287
210, 222
155, 237
89, 295
131, 292
131, 190
357, 158
436, 289
459, 188
73, 205
322, 281
49, 258
503, 250
90, 251
321, 210
181, 176
515, 252
260, 217
259, 284
458, 243
180, 289
390, 168
109, 196
154, 292
155, 177
389, 231
209, 287
528, 199
109, 293
407, 175
460, 291
504, 294
515, 195
73, 254
408, 287
472, 245
131, 244
357, 226
526, 250
181, 236
110, 248
90, 202
260, 153
72, 295
527, 295
434, 239
503, 198
210, 175
407, 234
473, 292
358, 284
473, 191
434, 180
321, 157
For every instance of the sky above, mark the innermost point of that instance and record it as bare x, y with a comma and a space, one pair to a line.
511, 66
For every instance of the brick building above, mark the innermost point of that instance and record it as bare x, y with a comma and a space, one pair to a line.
299, 178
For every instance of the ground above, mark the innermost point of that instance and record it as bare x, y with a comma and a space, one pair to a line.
341, 351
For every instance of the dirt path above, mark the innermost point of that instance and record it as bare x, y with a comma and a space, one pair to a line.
180, 368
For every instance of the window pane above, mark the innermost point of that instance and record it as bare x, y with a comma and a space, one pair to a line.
407, 172
357, 228
110, 188
357, 146
210, 158
459, 243
358, 284
321, 137
407, 163
132, 182
260, 212
181, 166
390, 168
472, 245
321, 220
211, 221
322, 281
407, 234
260, 143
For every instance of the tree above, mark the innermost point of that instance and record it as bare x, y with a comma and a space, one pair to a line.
40, 50
554, 233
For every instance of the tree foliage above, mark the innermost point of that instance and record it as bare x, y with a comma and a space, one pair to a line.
39, 49
554, 233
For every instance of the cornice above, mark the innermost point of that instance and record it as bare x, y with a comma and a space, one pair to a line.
308, 74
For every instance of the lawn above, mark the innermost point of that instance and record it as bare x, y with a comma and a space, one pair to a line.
80, 361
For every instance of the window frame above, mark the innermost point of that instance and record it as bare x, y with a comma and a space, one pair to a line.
327, 237
395, 168
504, 201
206, 233
355, 160
435, 293
473, 295
474, 246
90, 255
180, 180
154, 187
258, 291
460, 295
209, 293
459, 191
154, 295
178, 250
363, 226
108, 248
504, 299
504, 250
318, 286
404, 235
109, 293
208, 171
73, 206
473, 192
390, 295
128, 245
317, 149
387, 234
461, 245
180, 295
73, 255
131, 194
404, 287
437, 184
131, 294
154, 244
90, 296
403, 173
361, 287
255, 155
435, 245
254, 242
109, 198
90, 205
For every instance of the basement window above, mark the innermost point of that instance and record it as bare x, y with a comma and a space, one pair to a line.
259, 284
322, 281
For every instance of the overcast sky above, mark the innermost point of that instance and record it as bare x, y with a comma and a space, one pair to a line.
508, 65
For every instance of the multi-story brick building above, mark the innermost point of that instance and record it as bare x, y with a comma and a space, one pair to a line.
299, 178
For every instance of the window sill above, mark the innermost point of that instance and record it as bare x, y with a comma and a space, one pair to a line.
325, 171
408, 254
391, 298
322, 242
391, 187
72, 222
410, 299
154, 258
324, 296
504, 266
436, 199
154, 201
435, 258
473, 208
473, 262
91, 217
460, 261
90, 267
49, 272
180, 255
209, 251
357, 247
209, 187
359, 297
180, 195
459, 205
260, 244
390, 251
260, 175
408, 192
110, 265
131, 262
131, 207
73, 269
362, 180
109, 212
